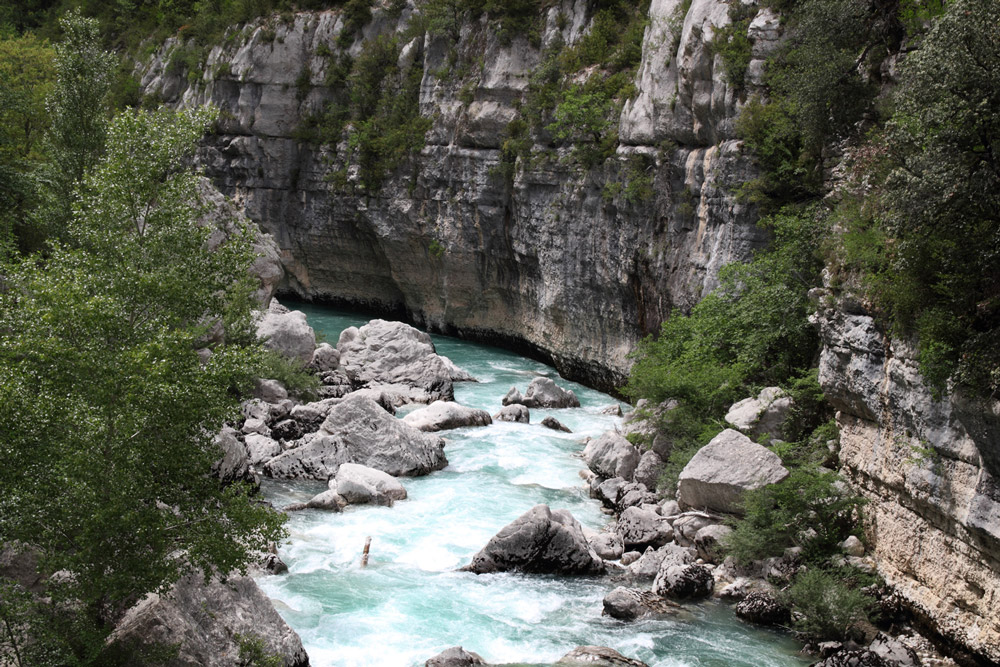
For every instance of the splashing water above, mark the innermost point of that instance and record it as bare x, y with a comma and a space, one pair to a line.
410, 603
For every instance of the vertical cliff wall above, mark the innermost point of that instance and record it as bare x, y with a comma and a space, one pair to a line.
929, 468
553, 258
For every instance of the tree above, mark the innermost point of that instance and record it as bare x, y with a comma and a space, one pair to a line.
26, 68
78, 112
935, 213
107, 413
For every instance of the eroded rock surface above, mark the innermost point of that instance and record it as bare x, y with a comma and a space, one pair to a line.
444, 415
542, 541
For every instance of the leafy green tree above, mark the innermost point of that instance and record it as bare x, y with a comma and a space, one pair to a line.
106, 410
445, 17
27, 72
936, 209
78, 116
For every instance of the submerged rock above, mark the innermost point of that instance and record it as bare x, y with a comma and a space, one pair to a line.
444, 415
514, 412
543, 393
718, 474
358, 430
598, 656
541, 541
555, 425
206, 621
456, 656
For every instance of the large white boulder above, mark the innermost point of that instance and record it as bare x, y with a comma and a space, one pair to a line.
288, 332
359, 484
359, 430
766, 413
716, 477
611, 455
443, 415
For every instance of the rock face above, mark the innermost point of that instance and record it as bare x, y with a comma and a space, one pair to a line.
540, 541
396, 358
443, 415
929, 468
542, 259
205, 619
716, 477
611, 455
358, 430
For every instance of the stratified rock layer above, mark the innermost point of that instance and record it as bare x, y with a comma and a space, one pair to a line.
929, 468
546, 260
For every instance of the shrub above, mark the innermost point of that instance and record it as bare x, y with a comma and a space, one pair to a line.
830, 602
291, 373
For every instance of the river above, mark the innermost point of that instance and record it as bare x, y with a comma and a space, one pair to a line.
410, 603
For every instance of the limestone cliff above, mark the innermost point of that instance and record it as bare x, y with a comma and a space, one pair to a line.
929, 468
552, 260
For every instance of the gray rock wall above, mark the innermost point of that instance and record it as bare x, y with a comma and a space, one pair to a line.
548, 261
929, 468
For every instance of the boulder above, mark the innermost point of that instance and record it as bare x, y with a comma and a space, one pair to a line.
611, 455
708, 541
613, 410
288, 332
270, 391
894, 651
234, 466
399, 359
849, 657
544, 393
684, 582
607, 545
598, 656
512, 397
513, 413
765, 414
670, 507
761, 608
718, 474
628, 604
647, 565
456, 656
359, 484
640, 527
635, 494
649, 469
852, 546
542, 541
555, 425
204, 620
287, 430
443, 415
687, 525
254, 425
261, 449
327, 500
358, 430
325, 358
630, 557
609, 491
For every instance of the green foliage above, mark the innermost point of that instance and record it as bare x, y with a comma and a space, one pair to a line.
926, 240
446, 17
516, 144
777, 516
753, 329
28, 74
104, 403
254, 653
732, 43
77, 110
830, 602
292, 374
356, 14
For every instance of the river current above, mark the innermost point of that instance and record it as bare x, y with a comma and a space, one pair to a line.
410, 603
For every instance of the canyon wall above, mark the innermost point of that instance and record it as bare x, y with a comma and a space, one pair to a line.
929, 467
556, 262
552, 261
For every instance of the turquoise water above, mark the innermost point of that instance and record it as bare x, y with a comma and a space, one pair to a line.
410, 603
